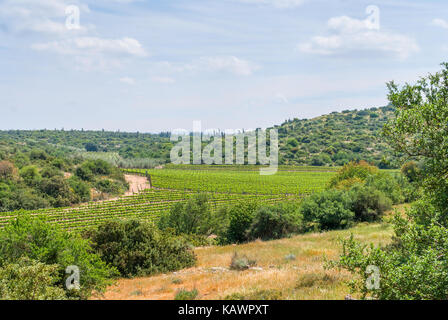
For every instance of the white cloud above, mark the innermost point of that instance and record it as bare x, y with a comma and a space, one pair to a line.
86, 45
127, 80
93, 53
352, 35
282, 4
229, 64
43, 16
440, 23
225, 64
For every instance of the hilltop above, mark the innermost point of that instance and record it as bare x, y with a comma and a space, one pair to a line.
337, 138
328, 140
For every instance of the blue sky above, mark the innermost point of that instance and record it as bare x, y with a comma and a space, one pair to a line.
153, 66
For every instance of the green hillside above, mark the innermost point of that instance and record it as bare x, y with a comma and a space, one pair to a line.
332, 139
337, 138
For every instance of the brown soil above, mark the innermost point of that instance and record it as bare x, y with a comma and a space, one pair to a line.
136, 184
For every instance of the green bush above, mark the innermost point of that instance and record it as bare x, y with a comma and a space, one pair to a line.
275, 222
327, 210
35, 239
30, 280
184, 294
84, 173
240, 219
195, 217
99, 167
415, 264
411, 171
272, 294
358, 171
368, 203
138, 248
190, 217
241, 262
30, 175
390, 184
80, 188
109, 186
413, 267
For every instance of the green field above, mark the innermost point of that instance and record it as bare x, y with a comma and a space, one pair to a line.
225, 186
239, 182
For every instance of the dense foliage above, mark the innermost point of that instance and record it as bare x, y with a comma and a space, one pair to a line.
332, 139
275, 222
43, 243
194, 217
138, 248
32, 178
327, 210
415, 265
337, 138
30, 280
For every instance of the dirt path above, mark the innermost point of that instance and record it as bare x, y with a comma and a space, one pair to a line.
136, 184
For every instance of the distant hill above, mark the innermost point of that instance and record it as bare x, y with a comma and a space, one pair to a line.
332, 139
337, 138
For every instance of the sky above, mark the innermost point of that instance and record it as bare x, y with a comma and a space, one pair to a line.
151, 66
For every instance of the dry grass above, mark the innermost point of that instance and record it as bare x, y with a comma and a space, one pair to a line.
280, 278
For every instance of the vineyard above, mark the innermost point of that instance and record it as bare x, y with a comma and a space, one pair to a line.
239, 182
170, 186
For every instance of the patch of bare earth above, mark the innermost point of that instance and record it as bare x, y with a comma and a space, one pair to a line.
136, 184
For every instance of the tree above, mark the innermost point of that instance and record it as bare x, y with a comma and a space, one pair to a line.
415, 265
7, 170
91, 147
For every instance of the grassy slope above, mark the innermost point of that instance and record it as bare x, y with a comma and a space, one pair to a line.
303, 278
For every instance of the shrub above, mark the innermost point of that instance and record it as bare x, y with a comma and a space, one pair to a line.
411, 268
240, 219
80, 188
48, 244
30, 175
411, 171
310, 280
368, 203
138, 248
290, 257
50, 172
109, 186
240, 263
257, 295
7, 170
351, 170
415, 264
327, 210
84, 173
99, 166
194, 217
184, 294
275, 222
91, 147
30, 280
55, 186
389, 184
38, 155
